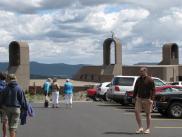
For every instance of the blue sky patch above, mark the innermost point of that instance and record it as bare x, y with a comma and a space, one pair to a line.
113, 9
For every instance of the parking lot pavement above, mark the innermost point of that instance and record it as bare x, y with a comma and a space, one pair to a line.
94, 119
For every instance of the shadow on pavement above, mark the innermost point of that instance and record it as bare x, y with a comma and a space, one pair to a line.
156, 115
118, 106
159, 116
109, 105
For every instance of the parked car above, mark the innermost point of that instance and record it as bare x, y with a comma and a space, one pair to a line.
91, 92
158, 89
167, 88
102, 89
178, 83
121, 84
169, 103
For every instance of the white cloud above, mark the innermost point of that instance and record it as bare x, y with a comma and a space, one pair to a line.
144, 56
5, 36
28, 6
100, 20
3, 50
38, 25
3, 54
135, 42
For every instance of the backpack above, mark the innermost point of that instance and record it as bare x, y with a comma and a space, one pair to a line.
2, 86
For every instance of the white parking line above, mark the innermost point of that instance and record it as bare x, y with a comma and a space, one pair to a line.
163, 119
160, 127
128, 113
153, 119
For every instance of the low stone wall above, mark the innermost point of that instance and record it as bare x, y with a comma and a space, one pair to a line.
38, 89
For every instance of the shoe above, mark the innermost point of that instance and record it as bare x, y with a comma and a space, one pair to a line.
147, 131
140, 130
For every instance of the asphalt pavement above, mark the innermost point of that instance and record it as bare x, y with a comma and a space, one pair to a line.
94, 119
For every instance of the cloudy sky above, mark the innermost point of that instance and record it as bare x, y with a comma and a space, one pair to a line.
73, 31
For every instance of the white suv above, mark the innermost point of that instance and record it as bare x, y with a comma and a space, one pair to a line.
121, 84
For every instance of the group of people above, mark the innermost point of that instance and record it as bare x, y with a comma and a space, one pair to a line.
144, 94
52, 87
12, 102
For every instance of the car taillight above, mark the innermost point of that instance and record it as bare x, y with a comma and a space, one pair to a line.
130, 94
117, 88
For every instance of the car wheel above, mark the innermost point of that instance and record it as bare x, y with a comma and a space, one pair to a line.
154, 107
97, 98
175, 110
106, 98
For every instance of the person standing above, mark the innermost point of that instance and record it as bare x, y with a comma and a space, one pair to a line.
144, 92
47, 89
68, 91
13, 100
3, 116
55, 93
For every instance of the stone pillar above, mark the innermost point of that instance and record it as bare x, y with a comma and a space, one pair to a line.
170, 54
19, 62
107, 51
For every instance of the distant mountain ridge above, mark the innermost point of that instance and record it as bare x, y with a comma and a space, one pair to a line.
147, 63
41, 69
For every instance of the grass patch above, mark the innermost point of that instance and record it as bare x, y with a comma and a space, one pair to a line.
77, 96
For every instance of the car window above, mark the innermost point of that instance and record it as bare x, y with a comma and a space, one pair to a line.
100, 85
158, 82
123, 81
108, 85
175, 83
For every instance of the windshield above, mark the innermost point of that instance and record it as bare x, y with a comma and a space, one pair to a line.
123, 81
175, 83
157, 82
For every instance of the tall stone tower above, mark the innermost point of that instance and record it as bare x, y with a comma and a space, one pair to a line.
107, 51
108, 68
106, 71
19, 62
170, 54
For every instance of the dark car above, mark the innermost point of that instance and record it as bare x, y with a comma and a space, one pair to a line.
169, 103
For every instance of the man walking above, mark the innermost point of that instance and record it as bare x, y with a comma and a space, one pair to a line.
68, 91
13, 101
144, 92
